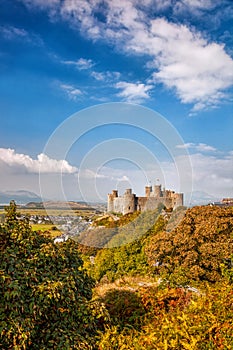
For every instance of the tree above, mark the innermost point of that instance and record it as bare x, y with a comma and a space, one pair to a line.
197, 247
45, 291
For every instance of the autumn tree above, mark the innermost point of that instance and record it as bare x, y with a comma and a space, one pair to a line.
197, 247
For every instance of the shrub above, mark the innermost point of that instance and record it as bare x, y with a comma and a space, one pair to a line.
125, 307
178, 320
113, 263
45, 292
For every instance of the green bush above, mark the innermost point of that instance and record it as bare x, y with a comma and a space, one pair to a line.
45, 293
113, 263
125, 308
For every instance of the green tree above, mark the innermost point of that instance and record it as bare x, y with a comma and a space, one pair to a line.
44, 291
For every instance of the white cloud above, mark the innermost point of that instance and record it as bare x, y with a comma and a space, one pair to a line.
20, 34
124, 178
212, 174
98, 75
186, 145
43, 164
87, 64
106, 76
71, 91
162, 4
201, 147
194, 5
133, 92
90, 174
10, 32
81, 63
42, 4
197, 70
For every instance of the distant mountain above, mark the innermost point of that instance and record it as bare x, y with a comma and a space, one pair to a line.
200, 198
60, 205
32, 200
20, 197
65, 205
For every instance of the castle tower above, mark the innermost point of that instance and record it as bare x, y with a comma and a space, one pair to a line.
178, 200
128, 191
169, 194
148, 190
111, 198
129, 202
157, 191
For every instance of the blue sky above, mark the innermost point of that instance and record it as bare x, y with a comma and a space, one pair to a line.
59, 57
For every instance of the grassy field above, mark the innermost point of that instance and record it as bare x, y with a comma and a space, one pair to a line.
48, 228
54, 212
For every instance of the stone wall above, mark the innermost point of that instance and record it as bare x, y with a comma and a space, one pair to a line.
129, 202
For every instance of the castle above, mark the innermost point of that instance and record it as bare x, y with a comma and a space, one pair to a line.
129, 202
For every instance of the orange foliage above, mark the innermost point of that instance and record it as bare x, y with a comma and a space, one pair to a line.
197, 247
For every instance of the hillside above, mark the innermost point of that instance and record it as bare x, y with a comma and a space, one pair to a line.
173, 288
194, 249
151, 287
59, 205
65, 205
20, 197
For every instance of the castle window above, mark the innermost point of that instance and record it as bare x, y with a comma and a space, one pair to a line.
129, 208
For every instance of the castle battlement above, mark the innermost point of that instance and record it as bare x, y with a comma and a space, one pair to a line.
129, 202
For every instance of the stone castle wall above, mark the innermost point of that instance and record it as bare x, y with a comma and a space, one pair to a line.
129, 202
